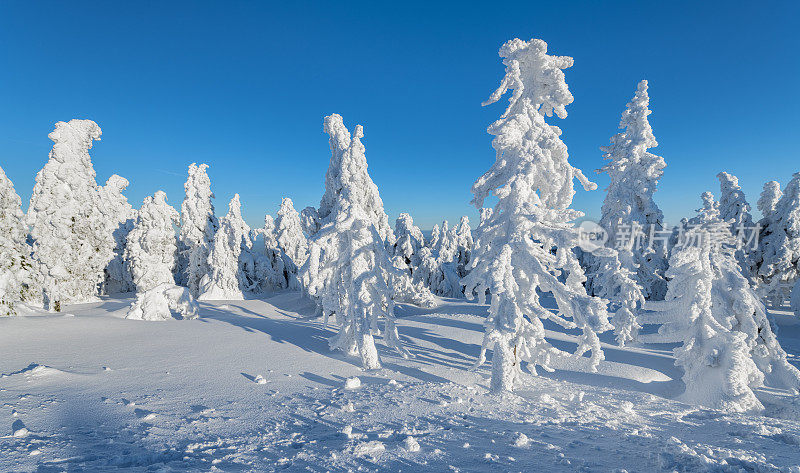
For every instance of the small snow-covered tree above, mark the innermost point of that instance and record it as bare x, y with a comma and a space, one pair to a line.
290, 235
348, 270
727, 343
438, 268
198, 226
433, 243
464, 244
16, 271
768, 200
634, 172
71, 244
152, 250
778, 259
229, 258
616, 282
409, 241
525, 248
120, 217
733, 206
270, 274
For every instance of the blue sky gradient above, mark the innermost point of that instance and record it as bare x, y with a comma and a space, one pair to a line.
244, 87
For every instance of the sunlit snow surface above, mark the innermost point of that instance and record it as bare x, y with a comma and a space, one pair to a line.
252, 386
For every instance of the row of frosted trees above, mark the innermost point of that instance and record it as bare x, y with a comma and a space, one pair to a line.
696, 285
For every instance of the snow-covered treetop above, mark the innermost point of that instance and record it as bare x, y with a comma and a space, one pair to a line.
348, 171
769, 198
732, 203
236, 223
531, 158
10, 202
74, 139
535, 77
633, 170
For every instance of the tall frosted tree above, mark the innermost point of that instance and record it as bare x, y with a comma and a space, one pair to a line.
228, 258
120, 217
152, 251
17, 277
525, 248
634, 173
198, 226
349, 270
464, 244
71, 245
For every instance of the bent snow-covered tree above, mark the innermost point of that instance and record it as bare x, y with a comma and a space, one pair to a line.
198, 227
71, 244
727, 344
16, 272
349, 271
525, 247
634, 173
229, 258
151, 250
120, 217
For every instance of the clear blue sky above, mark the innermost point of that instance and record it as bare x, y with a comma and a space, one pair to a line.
244, 86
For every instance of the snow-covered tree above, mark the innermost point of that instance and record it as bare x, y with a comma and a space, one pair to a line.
120, 218
727, 343
409, 241
152, 250
616, 282
229, 258
525, 248
198, 226
290, 235
634, 172
733, 206
365, 192
778, 258
270, 264
718, 369
464, 244
433, 243
768, 200
349, 269
795, 299
71, 244
16, 271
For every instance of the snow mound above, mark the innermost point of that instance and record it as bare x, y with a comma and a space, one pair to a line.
34, 371
352, 383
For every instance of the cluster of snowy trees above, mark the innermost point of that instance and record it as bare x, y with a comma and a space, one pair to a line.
697, 285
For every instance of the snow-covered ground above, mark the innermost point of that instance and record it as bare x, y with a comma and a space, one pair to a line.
252, 386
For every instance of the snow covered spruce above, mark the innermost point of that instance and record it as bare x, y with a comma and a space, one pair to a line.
151, 250
17, 277
525, 247
628, 206
727, 344
349, 271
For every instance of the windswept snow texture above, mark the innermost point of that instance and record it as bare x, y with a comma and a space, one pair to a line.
253, 386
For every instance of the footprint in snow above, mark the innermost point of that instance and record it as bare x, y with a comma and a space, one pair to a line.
144, 414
